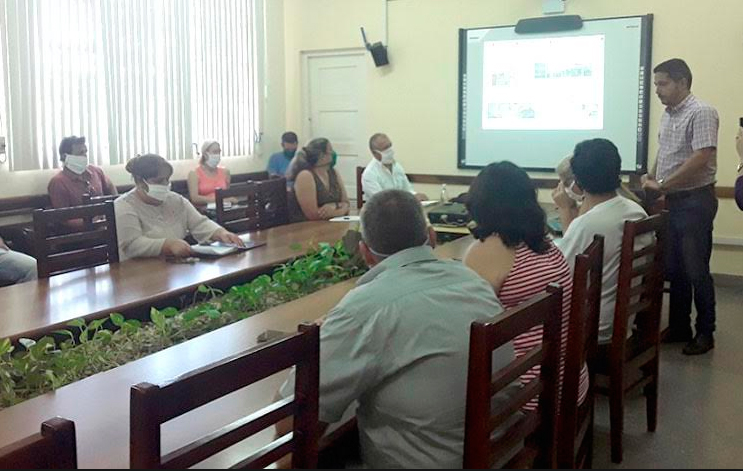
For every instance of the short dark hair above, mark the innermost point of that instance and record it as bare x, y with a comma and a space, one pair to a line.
597, 166
373, 140
503, 201
148, 166
393, 221
289, 138
65, 147
677, 69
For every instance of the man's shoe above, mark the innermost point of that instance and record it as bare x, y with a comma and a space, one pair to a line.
700, 345
678, 337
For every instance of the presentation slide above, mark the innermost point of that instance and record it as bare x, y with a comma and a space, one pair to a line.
530, 98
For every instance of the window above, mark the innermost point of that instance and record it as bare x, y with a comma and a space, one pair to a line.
133, 76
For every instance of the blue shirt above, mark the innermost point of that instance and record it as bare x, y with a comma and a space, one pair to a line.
278, 164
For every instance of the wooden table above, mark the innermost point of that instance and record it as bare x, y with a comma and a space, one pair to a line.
36, 308
99, 405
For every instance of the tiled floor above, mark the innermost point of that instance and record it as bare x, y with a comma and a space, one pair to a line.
701, 404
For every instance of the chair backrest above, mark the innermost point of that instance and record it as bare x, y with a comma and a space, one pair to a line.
576, 422
531, 439
359, 187
95, 244
261, 205
88, 200
53, 447
152, 406
250, 177
640, 285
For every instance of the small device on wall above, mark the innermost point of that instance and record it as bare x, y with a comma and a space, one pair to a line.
553, 7
378, 51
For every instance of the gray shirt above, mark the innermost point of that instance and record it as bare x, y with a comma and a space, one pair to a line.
143, 228
398, 344
690, 126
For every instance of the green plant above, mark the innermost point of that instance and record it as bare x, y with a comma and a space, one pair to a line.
86, 348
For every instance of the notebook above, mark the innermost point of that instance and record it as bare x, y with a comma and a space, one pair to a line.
220, 249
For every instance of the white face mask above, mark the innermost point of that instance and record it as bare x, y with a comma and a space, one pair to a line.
213, 160
158, 192
388, 156
573, 195
76, 163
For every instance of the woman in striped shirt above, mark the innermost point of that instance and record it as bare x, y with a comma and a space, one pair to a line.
513, 253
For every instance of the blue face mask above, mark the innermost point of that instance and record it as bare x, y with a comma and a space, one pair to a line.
289, 154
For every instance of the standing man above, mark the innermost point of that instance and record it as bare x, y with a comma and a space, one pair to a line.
383, 172
685, 172
279, 162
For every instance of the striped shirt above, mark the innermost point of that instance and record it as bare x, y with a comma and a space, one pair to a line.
690, 126
529, 277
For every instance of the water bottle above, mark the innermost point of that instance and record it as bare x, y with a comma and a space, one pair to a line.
444, 194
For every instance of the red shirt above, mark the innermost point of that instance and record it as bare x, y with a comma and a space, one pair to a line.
66, 189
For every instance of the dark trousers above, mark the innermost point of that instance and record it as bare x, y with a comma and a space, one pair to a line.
692, 214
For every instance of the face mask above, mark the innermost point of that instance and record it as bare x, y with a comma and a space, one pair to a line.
573, 195
382, 256
289, 154
388, 156
334, 161
76, 163
213, 160
158, 192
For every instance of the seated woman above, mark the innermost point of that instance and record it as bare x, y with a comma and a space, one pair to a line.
208, 176
153, 221
512, 251
319, 193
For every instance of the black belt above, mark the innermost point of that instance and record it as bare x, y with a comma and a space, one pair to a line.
679, 195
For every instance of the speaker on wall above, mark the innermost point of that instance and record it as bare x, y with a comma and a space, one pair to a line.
378, 51
549, 24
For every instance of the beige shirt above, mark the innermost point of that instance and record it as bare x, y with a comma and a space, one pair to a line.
143, 228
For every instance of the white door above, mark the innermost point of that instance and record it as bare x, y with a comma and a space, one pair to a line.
335, 97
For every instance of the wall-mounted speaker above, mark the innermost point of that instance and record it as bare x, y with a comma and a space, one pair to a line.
378, 51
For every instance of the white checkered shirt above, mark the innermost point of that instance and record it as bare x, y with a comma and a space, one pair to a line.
690, 126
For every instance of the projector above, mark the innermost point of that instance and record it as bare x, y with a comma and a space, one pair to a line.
449, 214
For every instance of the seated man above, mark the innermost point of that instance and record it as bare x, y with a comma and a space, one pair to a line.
596, 165
398, 344
77, 178
279, 162
383, 172
15, 267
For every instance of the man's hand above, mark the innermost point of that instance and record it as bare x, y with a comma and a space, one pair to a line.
649, 183
561, 198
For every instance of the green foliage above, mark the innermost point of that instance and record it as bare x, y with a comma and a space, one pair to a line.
88, 348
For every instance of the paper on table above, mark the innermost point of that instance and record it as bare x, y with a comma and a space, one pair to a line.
346, 219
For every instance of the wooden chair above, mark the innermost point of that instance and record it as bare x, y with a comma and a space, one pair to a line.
152, 406
250, 177
359, 187
531, 440
88, 200
262, 205
575, 445
626, 365
96, 244
53, 448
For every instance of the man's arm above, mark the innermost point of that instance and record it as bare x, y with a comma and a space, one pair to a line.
690, 168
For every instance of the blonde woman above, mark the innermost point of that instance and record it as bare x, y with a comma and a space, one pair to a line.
209, 176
